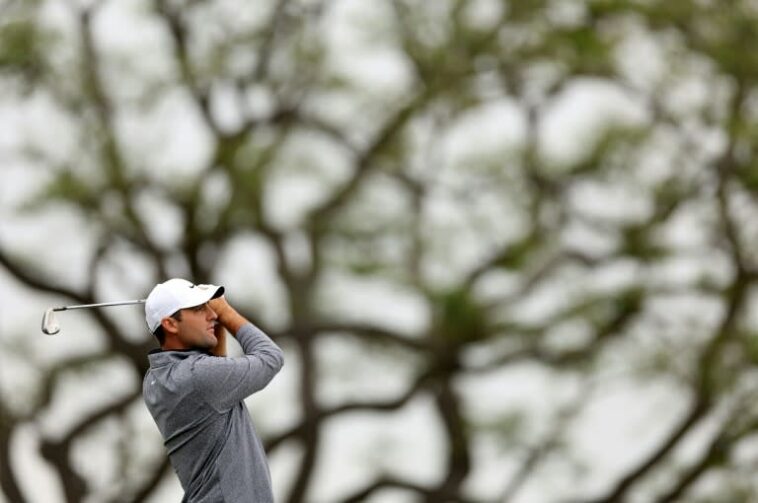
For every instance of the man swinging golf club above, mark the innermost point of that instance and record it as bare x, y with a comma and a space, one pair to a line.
195, 393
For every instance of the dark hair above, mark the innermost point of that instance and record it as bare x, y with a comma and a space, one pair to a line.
159, 334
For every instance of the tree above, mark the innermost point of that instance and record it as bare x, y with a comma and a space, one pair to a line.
540, 192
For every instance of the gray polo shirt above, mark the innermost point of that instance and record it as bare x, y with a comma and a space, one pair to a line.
196, 401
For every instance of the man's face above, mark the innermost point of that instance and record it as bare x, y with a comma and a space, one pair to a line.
197, 327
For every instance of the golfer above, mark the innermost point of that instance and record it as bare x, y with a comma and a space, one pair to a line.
195, 393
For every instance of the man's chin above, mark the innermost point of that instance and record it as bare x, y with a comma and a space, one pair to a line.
209, 343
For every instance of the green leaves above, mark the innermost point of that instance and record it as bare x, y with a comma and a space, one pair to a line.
637, 241
22, 49
458, 317
19, 45
68, 187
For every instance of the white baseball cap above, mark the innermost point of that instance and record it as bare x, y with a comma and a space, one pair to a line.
175, 294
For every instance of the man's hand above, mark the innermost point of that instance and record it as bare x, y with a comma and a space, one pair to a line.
227, 316
219, 306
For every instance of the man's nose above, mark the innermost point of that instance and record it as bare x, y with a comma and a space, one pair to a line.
211, 313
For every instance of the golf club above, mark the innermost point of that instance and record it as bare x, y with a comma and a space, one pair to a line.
50, 324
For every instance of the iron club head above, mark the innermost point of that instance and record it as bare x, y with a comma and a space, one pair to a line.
50, 324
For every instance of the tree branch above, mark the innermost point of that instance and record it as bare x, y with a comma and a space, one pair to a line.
385, 482
8, 478
370, 333
375, 406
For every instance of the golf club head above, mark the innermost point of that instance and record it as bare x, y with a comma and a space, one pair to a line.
50, 324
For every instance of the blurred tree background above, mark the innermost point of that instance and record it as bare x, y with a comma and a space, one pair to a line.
507, 246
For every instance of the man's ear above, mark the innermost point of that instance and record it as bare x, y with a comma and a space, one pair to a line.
169, 325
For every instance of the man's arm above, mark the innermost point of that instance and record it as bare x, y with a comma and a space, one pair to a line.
224, 382
220, 348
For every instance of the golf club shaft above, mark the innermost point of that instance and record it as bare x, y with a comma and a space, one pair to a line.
102, 304
50, 324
